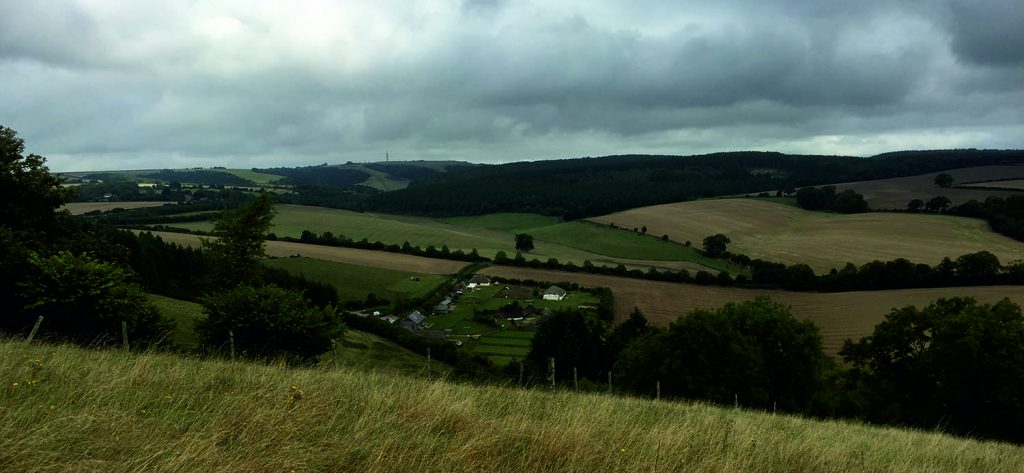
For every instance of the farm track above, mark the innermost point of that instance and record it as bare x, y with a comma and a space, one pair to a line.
374, 259
839, 315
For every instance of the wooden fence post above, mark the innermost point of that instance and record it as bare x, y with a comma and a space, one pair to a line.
231, 336
520, 373
35, 328
124, 334
575, 380
657, 391
428, 360
551, 370
609, 382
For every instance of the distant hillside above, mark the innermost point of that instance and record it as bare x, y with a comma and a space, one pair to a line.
69, 409
585, 187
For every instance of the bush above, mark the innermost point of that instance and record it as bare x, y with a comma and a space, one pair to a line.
84, 300
268, 322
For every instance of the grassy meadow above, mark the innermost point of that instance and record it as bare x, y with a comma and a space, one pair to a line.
250, 175
355, 282
762, 229
70, 409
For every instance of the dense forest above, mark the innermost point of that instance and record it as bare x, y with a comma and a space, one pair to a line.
323, 176
575, 188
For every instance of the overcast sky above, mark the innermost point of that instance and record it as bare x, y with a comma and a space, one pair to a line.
99, 84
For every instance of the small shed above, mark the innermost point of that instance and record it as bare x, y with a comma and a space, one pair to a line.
554, 293
444, 306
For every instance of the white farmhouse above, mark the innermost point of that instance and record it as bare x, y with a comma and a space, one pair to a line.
554, 293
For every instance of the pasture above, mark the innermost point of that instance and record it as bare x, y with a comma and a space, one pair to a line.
79, 208
786, 234
355, 282
896, 192
574, 242
250, 175
838, 315
184, 314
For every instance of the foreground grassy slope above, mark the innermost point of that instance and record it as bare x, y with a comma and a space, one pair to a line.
783, 233
68, 409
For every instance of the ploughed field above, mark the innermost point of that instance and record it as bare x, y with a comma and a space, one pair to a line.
840, 315
896, 192
787, 234
354, 256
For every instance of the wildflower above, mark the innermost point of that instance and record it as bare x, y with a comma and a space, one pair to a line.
53, 408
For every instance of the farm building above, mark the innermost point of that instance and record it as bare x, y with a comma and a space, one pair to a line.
554, 293
479, 280
414, 321
444, 306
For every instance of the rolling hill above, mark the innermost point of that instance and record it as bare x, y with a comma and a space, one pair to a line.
776, 232
69, 409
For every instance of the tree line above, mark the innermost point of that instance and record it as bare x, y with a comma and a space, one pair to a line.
922, 367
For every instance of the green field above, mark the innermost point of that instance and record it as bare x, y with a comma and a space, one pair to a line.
71, 409
503, 222
249, 174
356, 282
574, 242
184, 314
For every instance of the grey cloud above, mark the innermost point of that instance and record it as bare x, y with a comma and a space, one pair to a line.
499, 80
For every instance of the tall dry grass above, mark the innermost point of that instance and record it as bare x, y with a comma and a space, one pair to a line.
69, 409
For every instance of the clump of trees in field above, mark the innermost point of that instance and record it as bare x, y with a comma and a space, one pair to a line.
826, 198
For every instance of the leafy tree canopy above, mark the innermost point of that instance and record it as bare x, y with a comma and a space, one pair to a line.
715, 245
29, 194
268, 322
943, 180
524, 242
955, 363
85, 300
239, 242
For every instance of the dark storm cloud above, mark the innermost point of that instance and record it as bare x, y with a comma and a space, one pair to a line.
164, 83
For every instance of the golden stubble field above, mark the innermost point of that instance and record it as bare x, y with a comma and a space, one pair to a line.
787, 234
838, 315
376, 259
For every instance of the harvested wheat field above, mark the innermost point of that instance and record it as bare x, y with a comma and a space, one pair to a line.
895, 193
839, 315
374, 259
787, 234
79, 208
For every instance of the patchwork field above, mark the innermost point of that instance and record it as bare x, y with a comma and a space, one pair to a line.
895, 193
374, 259
567, 242
838, 315
79, 208
356, 282
787, 234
